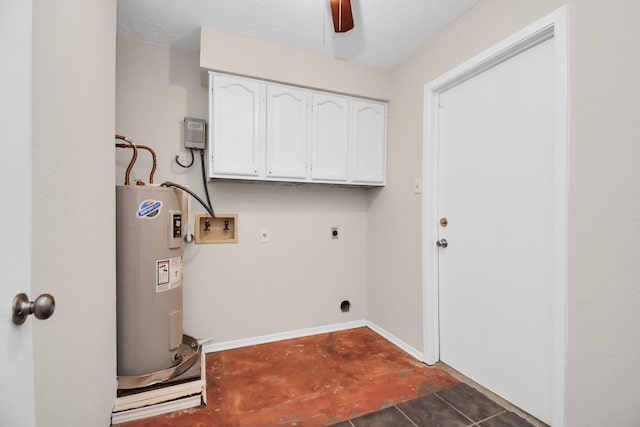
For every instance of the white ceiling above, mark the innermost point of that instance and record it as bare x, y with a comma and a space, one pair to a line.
386, 31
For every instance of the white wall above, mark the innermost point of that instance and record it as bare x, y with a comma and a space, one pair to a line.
604, 183
73, 245
248, 289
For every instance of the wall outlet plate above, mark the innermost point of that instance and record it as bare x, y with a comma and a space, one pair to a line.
334, 232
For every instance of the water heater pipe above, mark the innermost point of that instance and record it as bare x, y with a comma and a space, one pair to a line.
153, 156
133, 158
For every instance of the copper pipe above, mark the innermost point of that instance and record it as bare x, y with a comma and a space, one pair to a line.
133, 158
153, 157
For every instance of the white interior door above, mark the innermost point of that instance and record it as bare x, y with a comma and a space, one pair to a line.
496, 190
16, 363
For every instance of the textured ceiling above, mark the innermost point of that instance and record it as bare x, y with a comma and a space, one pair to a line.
385, 33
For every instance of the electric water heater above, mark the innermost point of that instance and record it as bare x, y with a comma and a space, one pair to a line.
149, 278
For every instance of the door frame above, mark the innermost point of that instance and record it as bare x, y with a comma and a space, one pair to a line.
553, 26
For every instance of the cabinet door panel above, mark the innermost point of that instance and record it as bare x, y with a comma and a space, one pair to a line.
286, 132
235, 124
369, 142
330, 138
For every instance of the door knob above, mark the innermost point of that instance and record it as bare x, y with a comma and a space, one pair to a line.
43, 307
442, 243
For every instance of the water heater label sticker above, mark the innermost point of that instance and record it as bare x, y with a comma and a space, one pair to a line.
163, 273
169, 274
149, 209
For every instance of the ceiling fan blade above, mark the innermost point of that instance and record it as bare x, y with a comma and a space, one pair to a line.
342, 16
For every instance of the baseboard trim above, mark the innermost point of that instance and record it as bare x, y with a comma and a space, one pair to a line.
396, 341
281, 336
299, 333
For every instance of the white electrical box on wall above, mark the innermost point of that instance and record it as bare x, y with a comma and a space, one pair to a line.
194, 133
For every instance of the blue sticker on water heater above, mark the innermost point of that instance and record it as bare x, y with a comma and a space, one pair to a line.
149, 209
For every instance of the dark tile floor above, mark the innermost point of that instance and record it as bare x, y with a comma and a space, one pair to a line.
457, 406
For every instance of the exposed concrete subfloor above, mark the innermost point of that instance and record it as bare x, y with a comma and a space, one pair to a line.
312, 381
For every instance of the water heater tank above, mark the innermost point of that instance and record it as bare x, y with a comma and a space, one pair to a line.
149, 278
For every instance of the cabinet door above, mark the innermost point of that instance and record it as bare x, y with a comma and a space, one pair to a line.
286, 132
235, 126
330, 138
369, 142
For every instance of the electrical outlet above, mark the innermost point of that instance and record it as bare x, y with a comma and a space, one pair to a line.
334, 232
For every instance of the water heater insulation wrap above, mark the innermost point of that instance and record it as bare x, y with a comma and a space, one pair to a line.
149, 278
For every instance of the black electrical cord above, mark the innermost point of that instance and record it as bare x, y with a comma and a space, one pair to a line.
185, 166
194, 195
204, 180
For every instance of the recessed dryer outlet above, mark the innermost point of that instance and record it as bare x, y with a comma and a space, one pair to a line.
221, 229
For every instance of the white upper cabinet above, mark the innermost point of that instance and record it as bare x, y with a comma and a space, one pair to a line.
264, 131
235, 126
369, 140
286, 132
330, 138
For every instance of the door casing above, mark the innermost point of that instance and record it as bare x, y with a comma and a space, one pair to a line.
554, 26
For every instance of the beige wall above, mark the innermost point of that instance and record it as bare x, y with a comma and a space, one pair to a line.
73, 228
604, 183
604, 291
297, 281
248, 289
395, 285
231, 53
